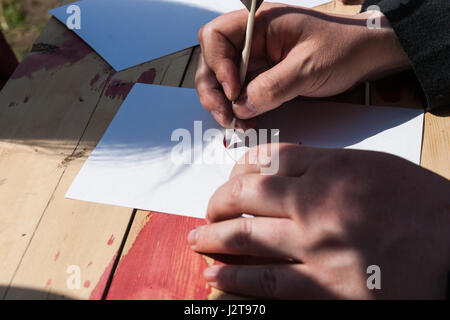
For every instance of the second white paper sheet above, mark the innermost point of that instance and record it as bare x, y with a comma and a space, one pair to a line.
129, 32
137, 163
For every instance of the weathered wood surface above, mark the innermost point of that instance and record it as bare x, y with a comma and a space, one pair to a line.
53, 112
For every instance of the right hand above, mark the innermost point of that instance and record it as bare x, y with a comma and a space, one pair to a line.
295, 52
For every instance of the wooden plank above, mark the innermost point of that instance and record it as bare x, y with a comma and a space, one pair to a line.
189, 77
84, 234
157, 264
338, 8
436, 144
44, 109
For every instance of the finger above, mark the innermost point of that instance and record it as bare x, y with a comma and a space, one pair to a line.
263, 237
221, 41
269, 90
253, 194
292, 160
211, 95
289, 281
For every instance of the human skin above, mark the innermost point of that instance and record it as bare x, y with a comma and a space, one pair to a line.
295, 52
327, 215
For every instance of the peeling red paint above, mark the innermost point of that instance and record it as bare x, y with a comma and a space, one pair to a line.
89, 264
26, 99
97, 292
56, 256
148, 76
111, 74
48, 283
160, 265
94, 79
111, 240
118, 89
87, 284
69, 52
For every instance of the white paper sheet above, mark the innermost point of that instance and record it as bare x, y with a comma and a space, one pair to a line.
130, 32
133, 164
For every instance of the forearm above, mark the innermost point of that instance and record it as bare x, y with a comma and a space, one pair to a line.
380, 51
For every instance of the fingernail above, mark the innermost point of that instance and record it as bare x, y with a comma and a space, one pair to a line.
211, 273
244, 107
192, 237
226, 89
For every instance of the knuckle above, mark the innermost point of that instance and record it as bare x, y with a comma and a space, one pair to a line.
235, 191
242, 238
268, 281
269, 89
287, 150
205, 100
221, 70
205, 32
341, 160
200, 83
201, 32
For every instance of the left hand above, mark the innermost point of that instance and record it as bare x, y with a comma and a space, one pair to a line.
333, 213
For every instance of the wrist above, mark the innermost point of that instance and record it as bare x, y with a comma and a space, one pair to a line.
381, 52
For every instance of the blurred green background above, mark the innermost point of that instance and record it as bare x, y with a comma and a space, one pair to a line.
21, 21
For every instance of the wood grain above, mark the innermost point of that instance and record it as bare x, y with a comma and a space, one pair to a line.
53, 112
86, 234
44, 109
157, 264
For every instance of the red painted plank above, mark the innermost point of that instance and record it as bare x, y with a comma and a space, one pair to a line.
160, 265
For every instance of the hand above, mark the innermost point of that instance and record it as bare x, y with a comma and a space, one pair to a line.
333, 213
295, 51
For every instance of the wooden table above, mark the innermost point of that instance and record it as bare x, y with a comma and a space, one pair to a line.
53, 111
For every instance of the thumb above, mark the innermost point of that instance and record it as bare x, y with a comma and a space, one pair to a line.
268, 90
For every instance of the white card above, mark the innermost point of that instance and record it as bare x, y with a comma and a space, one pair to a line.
130, 32
136, 164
